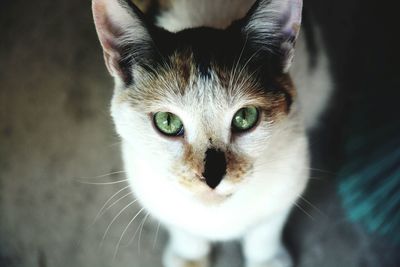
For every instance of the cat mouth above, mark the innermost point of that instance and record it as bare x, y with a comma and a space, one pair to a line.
212, 197
215, 195
198, 187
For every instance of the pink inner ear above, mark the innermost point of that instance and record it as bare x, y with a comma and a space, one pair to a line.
118, 25
108, 35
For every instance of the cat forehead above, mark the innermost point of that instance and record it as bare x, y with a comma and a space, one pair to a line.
204, 66
183, 82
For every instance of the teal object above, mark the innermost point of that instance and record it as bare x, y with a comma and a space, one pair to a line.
369, 180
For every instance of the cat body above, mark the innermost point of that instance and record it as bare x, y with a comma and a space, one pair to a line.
211, 181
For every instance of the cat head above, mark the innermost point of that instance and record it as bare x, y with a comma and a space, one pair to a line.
203, 109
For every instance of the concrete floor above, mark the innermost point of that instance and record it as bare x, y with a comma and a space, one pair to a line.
55, 128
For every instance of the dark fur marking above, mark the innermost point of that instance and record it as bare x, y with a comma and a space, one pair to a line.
143, 51
204, 69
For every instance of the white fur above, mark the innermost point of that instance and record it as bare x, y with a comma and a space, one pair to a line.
266, 235
314, 85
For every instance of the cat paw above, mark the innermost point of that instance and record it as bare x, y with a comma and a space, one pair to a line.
282, 259
171, 259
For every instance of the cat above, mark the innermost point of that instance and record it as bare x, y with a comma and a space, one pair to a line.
213, 128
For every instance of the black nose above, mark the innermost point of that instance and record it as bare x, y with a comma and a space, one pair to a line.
214, 167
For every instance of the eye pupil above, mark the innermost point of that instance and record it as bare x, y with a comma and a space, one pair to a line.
168, 124
169, 119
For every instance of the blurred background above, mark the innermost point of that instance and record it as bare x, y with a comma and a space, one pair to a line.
55, 129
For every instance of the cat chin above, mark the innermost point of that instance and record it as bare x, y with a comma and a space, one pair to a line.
211, 198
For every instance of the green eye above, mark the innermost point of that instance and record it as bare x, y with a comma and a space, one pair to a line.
245, 119
168, 123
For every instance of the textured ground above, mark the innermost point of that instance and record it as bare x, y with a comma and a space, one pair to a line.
55, 128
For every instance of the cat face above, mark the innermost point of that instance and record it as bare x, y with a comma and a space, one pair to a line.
203, 110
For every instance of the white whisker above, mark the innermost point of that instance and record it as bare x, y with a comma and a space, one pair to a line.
140, 232
100, 176
134, 235
303, 210
245, 65
156, 235
313, 206
113, 220
126, 229
103, 183
115, 144
104, 209
248, 78
233, 71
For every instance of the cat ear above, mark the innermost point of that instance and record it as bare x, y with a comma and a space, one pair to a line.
273, 26
123, 35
